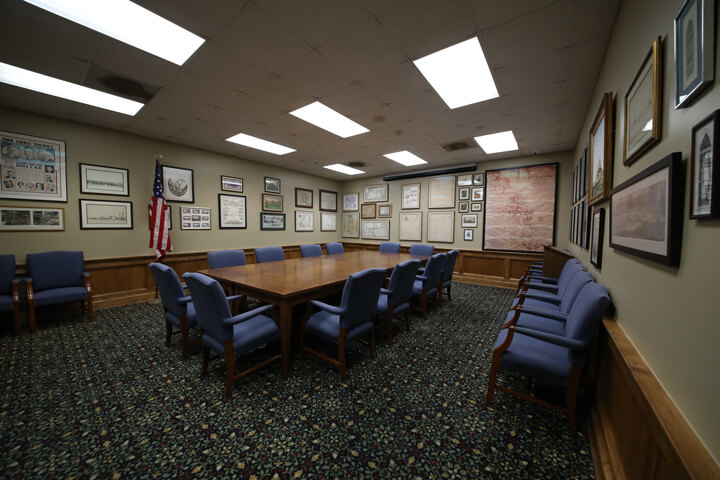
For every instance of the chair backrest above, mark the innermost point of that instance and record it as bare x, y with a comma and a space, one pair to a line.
390, 247
226, 258
310, 250
332, 248
211, 306
570, 268
421, 249
169, 288
360, 296
576, 283
584, 317
433, 269
269, 254
401, 282
449, 267
55, 269
7, 273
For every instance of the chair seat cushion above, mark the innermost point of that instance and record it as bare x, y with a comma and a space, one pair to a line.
418, 289
382, 307
536, 303
327, 326
542, 294
248, 335
534, 358
5, 303
59, 295
191, 316
537, 322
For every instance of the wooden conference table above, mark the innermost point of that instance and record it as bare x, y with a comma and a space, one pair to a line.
298, 280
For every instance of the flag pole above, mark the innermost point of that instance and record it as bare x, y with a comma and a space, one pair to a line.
156, 298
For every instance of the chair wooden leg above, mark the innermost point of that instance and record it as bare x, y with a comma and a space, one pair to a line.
448, 294
389, 319
31, 305
407, 320
341, 355
371, 342
229, 368
168, 332
90, 309
494, 367
424, 304
185, 334
205, 360
571, 393
16, 308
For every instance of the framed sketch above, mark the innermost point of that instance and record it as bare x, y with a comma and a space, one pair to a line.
351, 201
694, 50
478, 194
410, 226
643, 106
272, 185
168, 216
102, 215
478, 180
328, 222
410, 196
233, 211
351, 224
99, 180
601, 150
384, 210
303, 198
178, 185
463, 207
441, 192
328, 201
29, 218
476, 207
272, 203
376, 229
194, 218
368, 210
469, 220
272, 221
646, 212
705, 171
441, 227
464, 180
32, 168
304, 221
468, 235
596, 238
375, 193
231, 184
464, 193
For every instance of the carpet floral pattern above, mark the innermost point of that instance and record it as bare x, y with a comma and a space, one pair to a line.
109, 400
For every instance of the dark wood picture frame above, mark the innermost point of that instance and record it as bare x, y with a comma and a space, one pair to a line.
231, 184
323, 197
596, 238
705, 168
299, 202
368, 210
272, 185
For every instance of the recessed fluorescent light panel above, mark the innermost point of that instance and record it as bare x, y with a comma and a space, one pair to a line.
20, 77
328, 119
129, 23
339, 167
497, 142
405, 158
459, 74
260, 144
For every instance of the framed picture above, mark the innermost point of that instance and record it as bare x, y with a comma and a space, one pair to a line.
178, 185
102, 215
441, 192
694, 50
376, 229
464, 180
476, 207
585, 170
194, 218
368, 210
272, 221
468, 235
410, 228
272, 185
384, 210
328, 222
477, 194
304, 221
596, 239
303, 198
272, 203
643, 106
233, 211
231, 184
375, 193
463, 207
29, 218
469, 220
601, 150
351, 224
99, 180
478, 180
410, 196
646, 212
32, 168
328, 201
464, 193
351, 201
705, 171
168, 216
441, 227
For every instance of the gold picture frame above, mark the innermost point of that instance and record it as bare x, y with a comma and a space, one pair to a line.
601, 151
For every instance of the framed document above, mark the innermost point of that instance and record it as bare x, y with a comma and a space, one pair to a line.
441, 226
376, 229
178, 184
705, 168
303, 198
32, 168
194, 218
328, 222
368, 210
99, 180
233, 211
351, 224
441, 192
304, 221
30, 218
103, 215
410, 196
328, 201
410, 226
600, 162
351, 201
694, 50
375, 193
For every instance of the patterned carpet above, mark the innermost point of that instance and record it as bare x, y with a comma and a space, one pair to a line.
109, 400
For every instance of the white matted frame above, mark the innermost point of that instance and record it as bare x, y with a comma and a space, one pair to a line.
233, 211
410, 196
351, 202
105, 215
694, 50
376, 229
304, 221
351, 224
441, 227
375, 193
441, 192
178, 184
194, 218
328, 222
410, 228
101, 180
30, 218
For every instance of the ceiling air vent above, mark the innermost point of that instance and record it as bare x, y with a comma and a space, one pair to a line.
459, 145
356, 164
107, 81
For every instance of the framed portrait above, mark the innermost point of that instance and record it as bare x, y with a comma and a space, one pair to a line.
351, 202
194, 218
705, 171
304, 221
368, 210
376, 229
464, 193
30, 218
410, 196
478, 180
272, 221
32, 168
375, 193
410, 228
468, 235
328, 222
643, 106
469, 220
328, 201
694, 50
231, 184
476, 207
272, 185
272, 203
384, 210
178, 185
601, 151
596, 238
168, 216
646, 212
441, 227
441, 192
463, 207
105, 215
477, 194
351, 224
99, 180
303, 198
233, 211
464, 180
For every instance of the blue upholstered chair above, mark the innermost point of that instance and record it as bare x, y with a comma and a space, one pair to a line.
226, 258
9, 294
421, 249
551, 289
447, 273
349, 321
227, 335
269, 254
390, 247
396, 298
536, 276
554, 358
178, 307
57, 277
333, 248
426, 285
310, 250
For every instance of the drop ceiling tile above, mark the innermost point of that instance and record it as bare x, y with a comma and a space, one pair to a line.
228, 70
398, 82
314, 75
420, 105
543, 69
203, 19
351, 100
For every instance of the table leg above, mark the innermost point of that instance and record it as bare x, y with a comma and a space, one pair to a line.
285, 335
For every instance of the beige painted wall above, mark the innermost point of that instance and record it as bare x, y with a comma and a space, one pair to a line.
667, 312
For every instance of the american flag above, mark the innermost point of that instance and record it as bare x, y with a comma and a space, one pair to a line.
159, 235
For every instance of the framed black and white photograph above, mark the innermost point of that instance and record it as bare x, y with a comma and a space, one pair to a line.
464, 180
272, 185
410, 196
464, 193
351, 202
601, 151
375, 193
463, 207
304, 221
168, 216
694, 50
596, 238
469, 220
384, 210
303, 198
272, 221
328, 222
328, 201
231, 184
704, 171
468, 235
31, 218
233, 211
100, 180
194, 218
476, 207
178, 184
32, 168
102, 215
479, 180
272, 203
